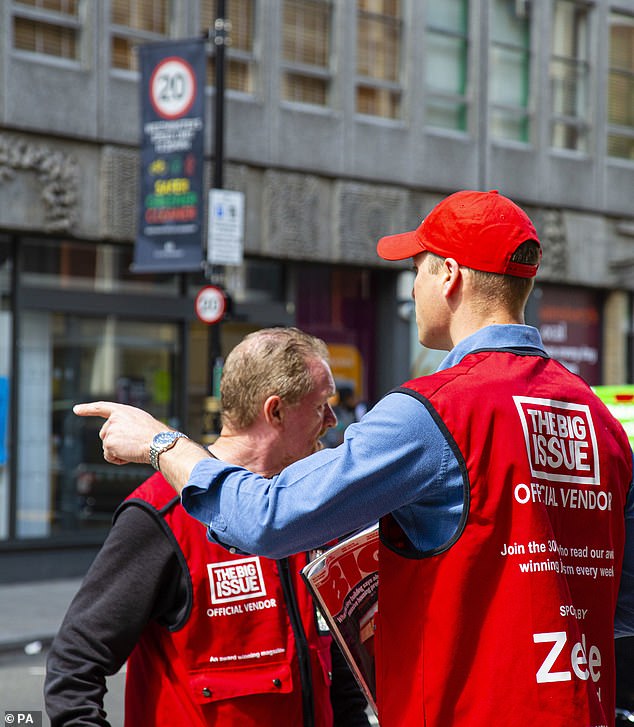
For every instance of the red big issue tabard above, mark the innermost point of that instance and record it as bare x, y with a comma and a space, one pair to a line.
233, 661
512, 621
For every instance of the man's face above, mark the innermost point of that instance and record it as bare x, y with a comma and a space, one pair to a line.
429, 303
306, 421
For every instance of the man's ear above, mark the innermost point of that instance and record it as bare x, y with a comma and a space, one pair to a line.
274, 410
452, 276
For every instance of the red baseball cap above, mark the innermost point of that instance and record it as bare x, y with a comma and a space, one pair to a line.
480, 230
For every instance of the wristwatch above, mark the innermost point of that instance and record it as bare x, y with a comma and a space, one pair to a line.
161, 443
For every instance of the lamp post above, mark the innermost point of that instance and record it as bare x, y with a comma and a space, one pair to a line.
222, 26
219, 36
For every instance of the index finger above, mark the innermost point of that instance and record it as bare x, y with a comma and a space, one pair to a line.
94, 409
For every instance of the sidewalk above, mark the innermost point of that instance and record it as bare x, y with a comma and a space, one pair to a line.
32, 612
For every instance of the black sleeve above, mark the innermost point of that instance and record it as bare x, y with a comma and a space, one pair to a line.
135, 577
624, 670
348, 702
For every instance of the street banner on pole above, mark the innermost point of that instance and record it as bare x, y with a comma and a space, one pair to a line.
171, 202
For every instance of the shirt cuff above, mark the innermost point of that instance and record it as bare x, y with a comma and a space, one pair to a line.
199, 496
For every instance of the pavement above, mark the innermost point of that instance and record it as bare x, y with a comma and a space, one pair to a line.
31, 613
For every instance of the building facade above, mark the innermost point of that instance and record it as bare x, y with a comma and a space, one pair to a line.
345, 120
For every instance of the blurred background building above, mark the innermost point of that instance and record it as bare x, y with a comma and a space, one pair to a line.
345, 120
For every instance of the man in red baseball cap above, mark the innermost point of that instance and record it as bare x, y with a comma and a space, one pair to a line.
469, 231
481, 230
500, 483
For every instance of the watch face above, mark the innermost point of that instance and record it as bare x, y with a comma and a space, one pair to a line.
161, 442
163, 438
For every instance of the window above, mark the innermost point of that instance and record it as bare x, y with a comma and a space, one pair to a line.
621, 87
6, 349
134, 22
379, 29
509, 70
63, 484
240, 58
569, 76
74, 265
47, 27
446, 64
306, 51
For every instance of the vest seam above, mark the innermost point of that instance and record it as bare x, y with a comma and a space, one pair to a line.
304, 662
519, 351
159, 516
414, 553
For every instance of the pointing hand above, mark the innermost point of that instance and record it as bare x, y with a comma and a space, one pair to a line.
127, 432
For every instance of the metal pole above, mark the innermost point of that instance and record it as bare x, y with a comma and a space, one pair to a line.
220, 40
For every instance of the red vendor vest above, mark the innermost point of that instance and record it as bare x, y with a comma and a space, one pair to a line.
512, 621
233, 660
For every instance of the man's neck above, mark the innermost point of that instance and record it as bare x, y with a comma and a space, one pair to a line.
251, 449
466, 326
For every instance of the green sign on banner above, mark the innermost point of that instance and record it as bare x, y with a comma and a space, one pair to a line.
620, 401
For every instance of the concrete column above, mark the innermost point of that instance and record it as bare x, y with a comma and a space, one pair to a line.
615, 338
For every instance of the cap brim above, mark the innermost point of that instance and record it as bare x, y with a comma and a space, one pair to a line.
399, 247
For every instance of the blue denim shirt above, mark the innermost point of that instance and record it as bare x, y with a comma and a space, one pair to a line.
395, 460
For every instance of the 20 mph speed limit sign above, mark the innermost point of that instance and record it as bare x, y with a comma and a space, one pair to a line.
210, 304
173, 87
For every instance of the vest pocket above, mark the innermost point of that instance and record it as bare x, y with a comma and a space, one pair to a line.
213, 685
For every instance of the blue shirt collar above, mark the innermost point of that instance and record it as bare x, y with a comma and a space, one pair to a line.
496, 336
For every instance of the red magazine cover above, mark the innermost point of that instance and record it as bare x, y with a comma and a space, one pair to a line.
345, 583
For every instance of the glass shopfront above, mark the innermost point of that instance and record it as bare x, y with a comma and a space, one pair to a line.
6, 327
65, 359
76, 326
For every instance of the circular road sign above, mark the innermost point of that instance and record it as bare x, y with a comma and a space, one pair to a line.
210, 304
172, 87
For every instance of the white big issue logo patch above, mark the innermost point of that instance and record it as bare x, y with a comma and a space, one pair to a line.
560, 440
236, 580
